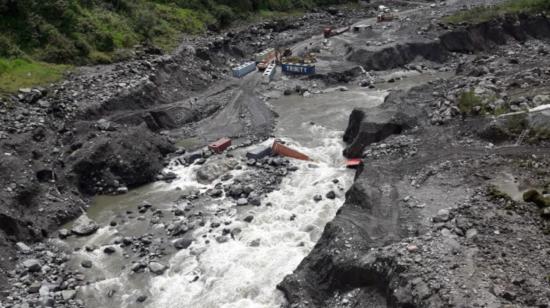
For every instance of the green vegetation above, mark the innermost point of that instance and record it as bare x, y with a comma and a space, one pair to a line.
543, 203
20, 73
536, 135
78, 32
486, 13
495, 194
88, 31
467, 102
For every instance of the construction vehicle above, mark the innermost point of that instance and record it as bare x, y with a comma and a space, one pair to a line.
385, 16
330, 32
270, 58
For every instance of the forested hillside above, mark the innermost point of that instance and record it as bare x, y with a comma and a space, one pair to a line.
96, 31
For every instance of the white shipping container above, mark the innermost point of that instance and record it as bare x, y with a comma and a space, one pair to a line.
269, 72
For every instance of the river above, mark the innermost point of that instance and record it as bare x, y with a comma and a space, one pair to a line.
244, 271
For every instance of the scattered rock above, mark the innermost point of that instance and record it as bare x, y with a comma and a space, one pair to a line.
157, 268
84, 226
32, 265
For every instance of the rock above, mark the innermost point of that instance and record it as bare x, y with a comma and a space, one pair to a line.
122, 190
86, 264
541, 100
68, 294
412, 248
249, 218
182, 243
141, 298
32, 265
23, 247
109, 250
34, 287
105, 125
84, 226
331, 195
63, 233
242, 202
222, 239
367, 126
254, 199
442, 216
157, 268
471, 233
317, 198
138, 267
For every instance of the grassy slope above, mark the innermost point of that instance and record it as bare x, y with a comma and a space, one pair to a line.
20, 73
486, 13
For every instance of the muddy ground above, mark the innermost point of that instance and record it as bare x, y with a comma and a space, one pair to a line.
435, 217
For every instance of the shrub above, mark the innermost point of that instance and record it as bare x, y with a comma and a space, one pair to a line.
8, 48
467, 101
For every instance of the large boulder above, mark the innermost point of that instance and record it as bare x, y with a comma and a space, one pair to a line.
84, 226
130, 158
213, 169
367, 126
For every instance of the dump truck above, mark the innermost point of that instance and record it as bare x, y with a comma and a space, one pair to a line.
330, 32
270, 58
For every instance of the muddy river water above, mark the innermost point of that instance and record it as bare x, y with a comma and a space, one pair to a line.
234, 273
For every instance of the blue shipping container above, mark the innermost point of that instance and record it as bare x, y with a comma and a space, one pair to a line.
296, 68
244, 69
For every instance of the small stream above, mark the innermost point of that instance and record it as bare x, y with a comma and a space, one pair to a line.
243, 271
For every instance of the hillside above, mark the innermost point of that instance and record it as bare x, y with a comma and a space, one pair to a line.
98, 31
38, 34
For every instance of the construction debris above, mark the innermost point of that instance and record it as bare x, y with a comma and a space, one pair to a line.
354, 163
220, 145
258, 153
282, 150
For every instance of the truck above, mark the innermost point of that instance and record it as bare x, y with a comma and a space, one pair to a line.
385, 16
244, 69
267, 58
330, 32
